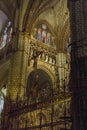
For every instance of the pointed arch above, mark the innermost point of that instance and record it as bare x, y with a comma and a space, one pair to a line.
40, 22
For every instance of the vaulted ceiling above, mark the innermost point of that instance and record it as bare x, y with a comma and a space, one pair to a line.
53, 12
8, 7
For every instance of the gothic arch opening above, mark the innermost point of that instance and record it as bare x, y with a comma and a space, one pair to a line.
39, 85
43, 32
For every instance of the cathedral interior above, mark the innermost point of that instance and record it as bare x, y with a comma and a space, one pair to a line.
43, 66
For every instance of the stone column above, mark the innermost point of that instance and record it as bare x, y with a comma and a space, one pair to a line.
78, 84
17, 74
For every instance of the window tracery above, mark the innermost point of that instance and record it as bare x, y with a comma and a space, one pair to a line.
43, 34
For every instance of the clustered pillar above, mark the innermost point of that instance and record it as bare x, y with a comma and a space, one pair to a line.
78, 84
17, 75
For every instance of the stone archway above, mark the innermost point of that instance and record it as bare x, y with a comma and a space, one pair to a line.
39, 84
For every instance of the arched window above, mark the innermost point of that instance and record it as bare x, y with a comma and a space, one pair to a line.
44, 37
9, 34
39, 35
42, 33
6, 35
2, 97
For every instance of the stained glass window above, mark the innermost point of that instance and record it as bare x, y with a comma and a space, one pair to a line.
43, 34
6, 35
44, 38
44, 26
2, 96
39, 37
9, 34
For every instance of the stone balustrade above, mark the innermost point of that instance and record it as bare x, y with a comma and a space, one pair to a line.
44, 51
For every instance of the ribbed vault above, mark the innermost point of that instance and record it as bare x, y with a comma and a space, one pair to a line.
55, 14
